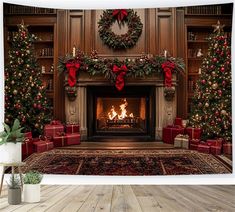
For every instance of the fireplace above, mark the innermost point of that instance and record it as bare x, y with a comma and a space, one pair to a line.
145, 100
127, 113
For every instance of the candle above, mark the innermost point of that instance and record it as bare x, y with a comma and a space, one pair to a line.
165, 53
74, 51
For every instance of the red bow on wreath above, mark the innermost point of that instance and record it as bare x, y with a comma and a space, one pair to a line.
121, 14
120, 72
167, 68
72, 68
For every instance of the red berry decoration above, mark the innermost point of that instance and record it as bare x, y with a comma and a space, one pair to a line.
220, 92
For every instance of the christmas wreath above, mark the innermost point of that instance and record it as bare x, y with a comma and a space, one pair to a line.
122, 16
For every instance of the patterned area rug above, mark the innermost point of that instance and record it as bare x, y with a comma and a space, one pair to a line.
126, 162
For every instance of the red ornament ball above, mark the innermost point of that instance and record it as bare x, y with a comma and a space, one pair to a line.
217, 113
222, 69
203, 81
215, 59
220, 92
34, 105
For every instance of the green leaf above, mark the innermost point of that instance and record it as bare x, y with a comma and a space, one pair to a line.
16, 125
7, 128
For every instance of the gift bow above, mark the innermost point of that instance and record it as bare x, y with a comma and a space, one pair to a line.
120, 14
120, 72
182, 136
72, 68
55, 122
167, 68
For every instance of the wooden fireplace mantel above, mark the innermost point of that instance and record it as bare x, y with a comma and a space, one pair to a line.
85, 79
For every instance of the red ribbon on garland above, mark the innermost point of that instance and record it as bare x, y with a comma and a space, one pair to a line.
72, 68
120, 72
167, 68
121, 14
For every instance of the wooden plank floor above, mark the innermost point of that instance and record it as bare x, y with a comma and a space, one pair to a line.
128, 198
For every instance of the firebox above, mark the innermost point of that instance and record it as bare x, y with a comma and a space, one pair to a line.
127, 114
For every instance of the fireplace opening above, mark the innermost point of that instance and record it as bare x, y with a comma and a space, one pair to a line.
121, 114
129, 113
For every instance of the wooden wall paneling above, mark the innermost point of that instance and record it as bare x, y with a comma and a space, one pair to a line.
152, 31
88, 41
76, 30
180, 52
140, 47
62, 49
164, 31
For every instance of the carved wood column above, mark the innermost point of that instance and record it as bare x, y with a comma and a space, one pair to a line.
82, 111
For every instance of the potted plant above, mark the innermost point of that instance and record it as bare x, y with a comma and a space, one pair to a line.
31, 191
14, 190
10, 143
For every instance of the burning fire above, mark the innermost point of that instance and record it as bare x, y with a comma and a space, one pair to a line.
114, 115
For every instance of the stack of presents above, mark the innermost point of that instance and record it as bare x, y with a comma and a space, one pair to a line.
55, 135
190, 138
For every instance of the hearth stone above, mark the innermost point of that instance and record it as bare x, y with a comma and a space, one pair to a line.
165, 111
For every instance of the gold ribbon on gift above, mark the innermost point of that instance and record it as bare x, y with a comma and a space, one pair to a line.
62, 140
26, 141
47, 143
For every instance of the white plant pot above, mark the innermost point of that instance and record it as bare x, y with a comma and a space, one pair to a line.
11, 153
31, 193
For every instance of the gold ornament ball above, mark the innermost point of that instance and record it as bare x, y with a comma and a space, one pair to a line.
12, 82
36, 125
209, 82
207, 104
19, 74
32, 84
30, 78
215, 86
15, 92
213, 73
223, 112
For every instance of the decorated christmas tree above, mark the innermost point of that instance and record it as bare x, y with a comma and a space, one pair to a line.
25, 96
211, 104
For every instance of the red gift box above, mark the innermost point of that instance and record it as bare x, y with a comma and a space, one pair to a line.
178, 122
72, 128
194, 133
203, 148
227, 148
51, 130
214, 142
60, 140
27, 148
73, 139
28, 135
42, 146
169, 134
193, 146
215, 150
